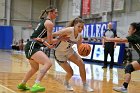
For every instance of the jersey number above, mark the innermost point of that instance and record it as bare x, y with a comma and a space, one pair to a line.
69, 46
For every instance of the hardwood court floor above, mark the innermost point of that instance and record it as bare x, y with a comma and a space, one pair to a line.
13, 66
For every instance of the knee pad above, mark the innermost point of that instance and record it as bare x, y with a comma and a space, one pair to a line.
129, 68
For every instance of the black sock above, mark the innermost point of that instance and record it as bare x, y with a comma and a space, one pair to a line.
125, 84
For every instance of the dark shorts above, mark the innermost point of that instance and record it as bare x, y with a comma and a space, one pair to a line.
138, 60
31, 47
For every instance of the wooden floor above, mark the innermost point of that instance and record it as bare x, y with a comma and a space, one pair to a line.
13, 66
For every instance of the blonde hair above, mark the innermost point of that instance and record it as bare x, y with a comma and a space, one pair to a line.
75, 21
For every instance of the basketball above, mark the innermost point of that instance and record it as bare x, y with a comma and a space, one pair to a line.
84, 49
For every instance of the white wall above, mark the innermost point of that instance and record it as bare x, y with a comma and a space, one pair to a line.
124, 20
24, 13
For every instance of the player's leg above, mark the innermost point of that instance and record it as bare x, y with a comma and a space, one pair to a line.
69, 73
28, 75
41, 58
135, 65
75, 58
61, 58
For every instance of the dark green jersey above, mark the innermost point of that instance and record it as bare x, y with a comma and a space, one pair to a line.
135, 41
34, 46
40, 30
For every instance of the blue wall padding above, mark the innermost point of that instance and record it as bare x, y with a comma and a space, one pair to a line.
6, 37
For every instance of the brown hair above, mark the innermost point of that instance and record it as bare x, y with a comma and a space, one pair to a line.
75, 21
46, 11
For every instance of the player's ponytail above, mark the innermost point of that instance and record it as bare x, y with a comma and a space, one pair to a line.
42, 14
46, 11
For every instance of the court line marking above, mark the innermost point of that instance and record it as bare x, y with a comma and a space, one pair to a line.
8, 89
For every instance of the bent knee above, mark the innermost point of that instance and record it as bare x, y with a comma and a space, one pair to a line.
71, 73
80, 63
35, 69
129, 68
48, 63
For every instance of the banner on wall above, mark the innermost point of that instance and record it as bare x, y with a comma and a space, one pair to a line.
85, 7
76, 4
92, 30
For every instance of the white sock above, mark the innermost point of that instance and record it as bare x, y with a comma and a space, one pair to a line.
23, 82
85, 84
37, 81
66, 82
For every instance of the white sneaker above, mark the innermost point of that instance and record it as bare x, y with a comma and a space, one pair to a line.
120, 89
68, 87
87, 88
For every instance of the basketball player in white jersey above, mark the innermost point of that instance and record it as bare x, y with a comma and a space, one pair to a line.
64, 52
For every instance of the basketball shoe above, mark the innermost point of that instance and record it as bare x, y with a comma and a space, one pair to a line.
120, 89
68, 86
37, 88
87, 88
23, 87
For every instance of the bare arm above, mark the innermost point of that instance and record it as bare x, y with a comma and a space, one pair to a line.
79, 42
62, 32
120, 40
49, 26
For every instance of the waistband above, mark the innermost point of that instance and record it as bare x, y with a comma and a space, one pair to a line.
40, 43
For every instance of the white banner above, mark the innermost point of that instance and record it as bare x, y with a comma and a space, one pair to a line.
118, 4
76, 7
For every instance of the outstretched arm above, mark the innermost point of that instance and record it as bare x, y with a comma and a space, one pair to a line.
119, 40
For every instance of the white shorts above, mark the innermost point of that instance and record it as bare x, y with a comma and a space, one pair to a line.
62, 56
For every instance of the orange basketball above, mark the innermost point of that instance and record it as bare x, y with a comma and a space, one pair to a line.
84, 49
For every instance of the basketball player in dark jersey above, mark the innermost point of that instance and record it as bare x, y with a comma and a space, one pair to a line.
134, 39
33, 53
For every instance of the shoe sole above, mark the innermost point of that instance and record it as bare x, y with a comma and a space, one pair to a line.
42, 90
69, 89
88, 90
119, 91
22, 88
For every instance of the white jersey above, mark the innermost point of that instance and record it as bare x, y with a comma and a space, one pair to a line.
66, 45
